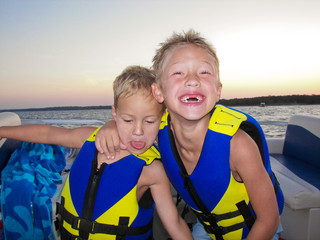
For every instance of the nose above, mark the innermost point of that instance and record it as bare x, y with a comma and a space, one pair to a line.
192, 80
138, 129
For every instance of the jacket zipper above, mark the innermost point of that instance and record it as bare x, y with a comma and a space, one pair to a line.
92, 189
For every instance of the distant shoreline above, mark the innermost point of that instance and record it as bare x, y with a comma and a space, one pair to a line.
255, 101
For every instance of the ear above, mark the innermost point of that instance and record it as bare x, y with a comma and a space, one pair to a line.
219, 91
157, 92
114, 114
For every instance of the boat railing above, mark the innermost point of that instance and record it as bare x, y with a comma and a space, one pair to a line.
62, 121
276, 123
99, 122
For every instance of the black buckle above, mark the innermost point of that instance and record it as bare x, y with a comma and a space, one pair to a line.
218, 230
83, 224
208, 217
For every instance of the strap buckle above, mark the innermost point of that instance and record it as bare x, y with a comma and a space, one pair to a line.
218, 230
208, 217
83, 224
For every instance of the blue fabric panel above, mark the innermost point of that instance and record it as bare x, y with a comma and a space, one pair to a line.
302, 144
302, 169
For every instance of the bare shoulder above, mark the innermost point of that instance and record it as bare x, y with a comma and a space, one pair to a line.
244, 155
243, 144
240, 137
155, 169
153, 173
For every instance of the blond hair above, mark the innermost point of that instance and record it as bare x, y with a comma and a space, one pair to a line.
177, 40
131, 80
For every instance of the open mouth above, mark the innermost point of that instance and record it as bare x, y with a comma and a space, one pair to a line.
192, 99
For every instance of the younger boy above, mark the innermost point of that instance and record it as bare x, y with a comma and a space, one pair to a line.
100, 199
215, 157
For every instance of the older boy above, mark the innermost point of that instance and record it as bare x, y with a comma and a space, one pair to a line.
215, 157
101, 197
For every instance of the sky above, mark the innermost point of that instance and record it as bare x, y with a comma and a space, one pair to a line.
67, 53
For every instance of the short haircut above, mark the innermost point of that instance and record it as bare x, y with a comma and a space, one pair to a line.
177, 40
131, 80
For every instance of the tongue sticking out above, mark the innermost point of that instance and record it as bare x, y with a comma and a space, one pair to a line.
138, 144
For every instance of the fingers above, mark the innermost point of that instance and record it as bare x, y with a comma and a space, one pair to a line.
107, 146
114, 146
107, 140
99, 144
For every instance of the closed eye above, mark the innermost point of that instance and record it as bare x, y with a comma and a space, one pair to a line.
177, 73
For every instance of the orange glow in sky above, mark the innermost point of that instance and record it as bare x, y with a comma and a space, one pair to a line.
67, 53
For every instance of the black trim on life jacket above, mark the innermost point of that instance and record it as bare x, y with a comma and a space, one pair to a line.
249, 219
189, 186
85, 225
146, 201
93, 227
254, 133
206, 215
91, 192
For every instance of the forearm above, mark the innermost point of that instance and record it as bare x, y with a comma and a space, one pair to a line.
73, 138
37, 133
28, 133
180, 230
263, 230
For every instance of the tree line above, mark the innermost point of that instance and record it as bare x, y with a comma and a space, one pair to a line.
273, 100
255, 101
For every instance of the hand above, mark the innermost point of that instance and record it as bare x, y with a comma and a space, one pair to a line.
107, 140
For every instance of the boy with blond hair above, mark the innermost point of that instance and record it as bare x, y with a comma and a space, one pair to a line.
216, 157
109, 198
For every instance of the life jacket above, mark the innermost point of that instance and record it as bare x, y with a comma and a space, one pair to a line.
102, 203
220, 202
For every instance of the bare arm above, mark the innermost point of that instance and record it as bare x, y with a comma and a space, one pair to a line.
245, 159
161, 193
73, 138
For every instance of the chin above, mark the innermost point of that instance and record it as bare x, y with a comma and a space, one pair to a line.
137, 151
193, 116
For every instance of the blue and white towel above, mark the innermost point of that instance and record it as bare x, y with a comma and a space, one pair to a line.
27, 184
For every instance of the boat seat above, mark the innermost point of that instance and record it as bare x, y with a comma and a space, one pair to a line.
301, 149
6, 149
295, 160
302, 169
7, 146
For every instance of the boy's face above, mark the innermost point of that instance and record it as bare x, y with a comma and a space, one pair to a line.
190, 87
138, 118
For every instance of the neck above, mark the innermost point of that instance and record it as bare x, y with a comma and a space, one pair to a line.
189, 135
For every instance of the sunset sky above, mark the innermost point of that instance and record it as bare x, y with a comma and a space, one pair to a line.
67, 53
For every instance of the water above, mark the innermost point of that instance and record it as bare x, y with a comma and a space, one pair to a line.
262, 114
279, 113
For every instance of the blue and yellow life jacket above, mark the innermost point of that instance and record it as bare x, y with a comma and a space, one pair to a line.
102, 203
220, 202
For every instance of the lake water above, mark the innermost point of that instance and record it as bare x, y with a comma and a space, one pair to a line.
262, 114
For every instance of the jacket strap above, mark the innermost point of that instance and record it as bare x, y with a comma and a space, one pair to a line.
215, 229
93, 227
